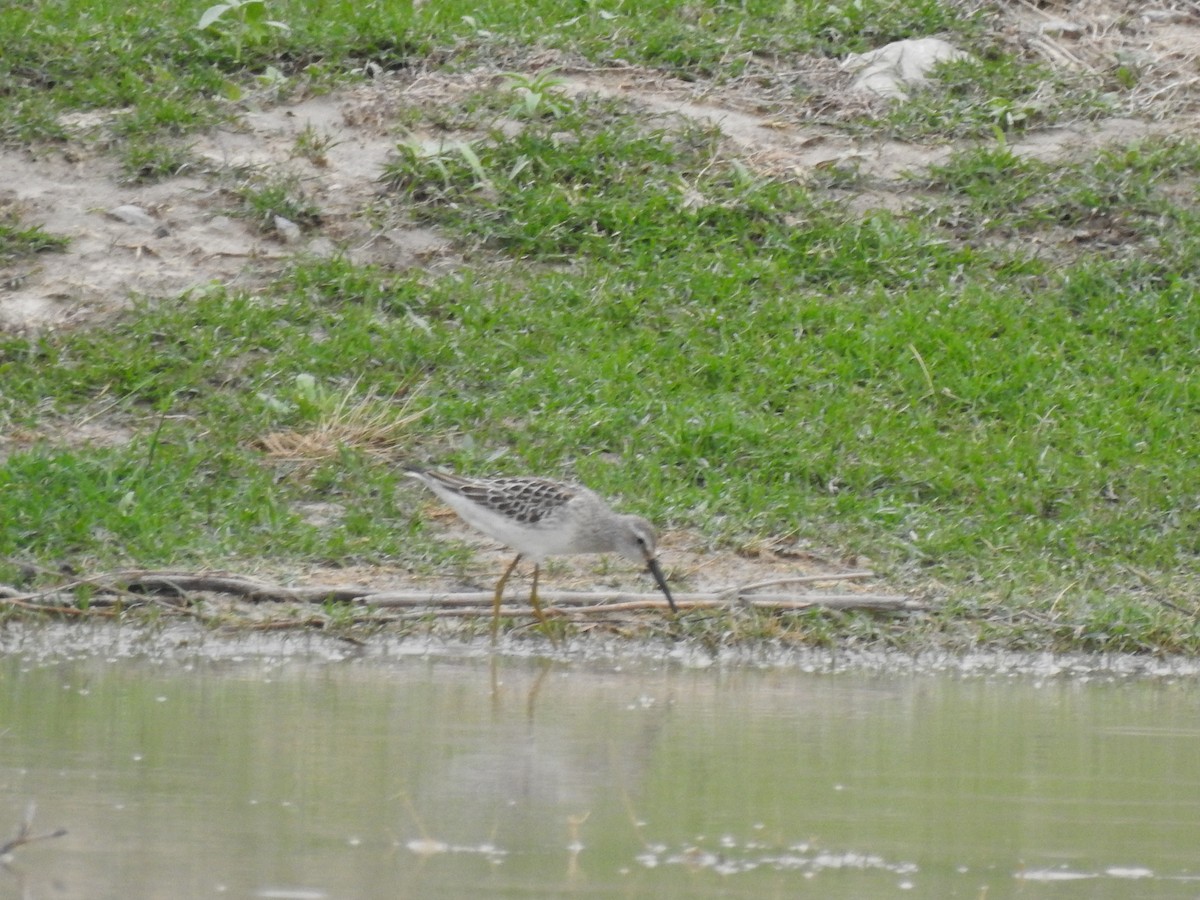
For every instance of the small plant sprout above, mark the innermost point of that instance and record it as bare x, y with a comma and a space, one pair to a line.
457, 165
244, 22
537, 96
313, 145
267, 202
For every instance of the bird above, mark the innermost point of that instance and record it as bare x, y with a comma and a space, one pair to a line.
538, 518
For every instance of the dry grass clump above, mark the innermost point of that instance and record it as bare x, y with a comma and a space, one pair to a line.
370, 423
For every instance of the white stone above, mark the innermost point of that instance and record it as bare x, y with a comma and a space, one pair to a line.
892, 69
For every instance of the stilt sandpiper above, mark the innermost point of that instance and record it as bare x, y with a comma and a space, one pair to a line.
539, 518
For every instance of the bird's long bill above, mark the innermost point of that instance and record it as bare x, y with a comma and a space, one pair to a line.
652, 564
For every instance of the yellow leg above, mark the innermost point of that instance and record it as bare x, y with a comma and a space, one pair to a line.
499, 591
537, 604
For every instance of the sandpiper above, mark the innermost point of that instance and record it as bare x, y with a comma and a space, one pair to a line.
539, 518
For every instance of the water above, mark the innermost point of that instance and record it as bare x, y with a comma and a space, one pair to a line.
301, 778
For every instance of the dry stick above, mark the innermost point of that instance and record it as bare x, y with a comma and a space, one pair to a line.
100, 582
600, 601
1152, 583
23, 839
136, 584
57, 601
250, 588
784, 603
797, 579
139, 584
66, 608
15, 597
873, 602
23, 835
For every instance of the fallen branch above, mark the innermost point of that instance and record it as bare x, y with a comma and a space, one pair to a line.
465, 610
140, 586
601, 601
57, 607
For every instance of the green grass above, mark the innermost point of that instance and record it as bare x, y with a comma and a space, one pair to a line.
592, 183
262, 199
992, 92
1132, 186
19, 240
991, 394
701, 40
168, 76
145, 163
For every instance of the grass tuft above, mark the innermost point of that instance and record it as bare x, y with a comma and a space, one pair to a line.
18, 240
369, 424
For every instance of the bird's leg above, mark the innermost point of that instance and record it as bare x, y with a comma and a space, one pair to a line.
500, 590
537, 604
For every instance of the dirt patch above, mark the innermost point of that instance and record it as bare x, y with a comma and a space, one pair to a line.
159, 240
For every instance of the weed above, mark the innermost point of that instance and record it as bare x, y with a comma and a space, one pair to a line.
18, 239
265, 201
312, 145
993, 91
244, 22
537, 96
456, 167
368, 423
145, 163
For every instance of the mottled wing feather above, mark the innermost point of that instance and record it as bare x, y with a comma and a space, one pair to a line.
524, 500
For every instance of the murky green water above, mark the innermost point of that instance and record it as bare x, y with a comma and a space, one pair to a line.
443, 778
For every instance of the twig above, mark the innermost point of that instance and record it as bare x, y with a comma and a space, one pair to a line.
602, 600
470, 605
140, 585
63, 609
24, 837
796, 579
1152, 583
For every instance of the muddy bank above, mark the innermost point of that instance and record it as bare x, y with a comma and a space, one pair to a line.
190, 644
